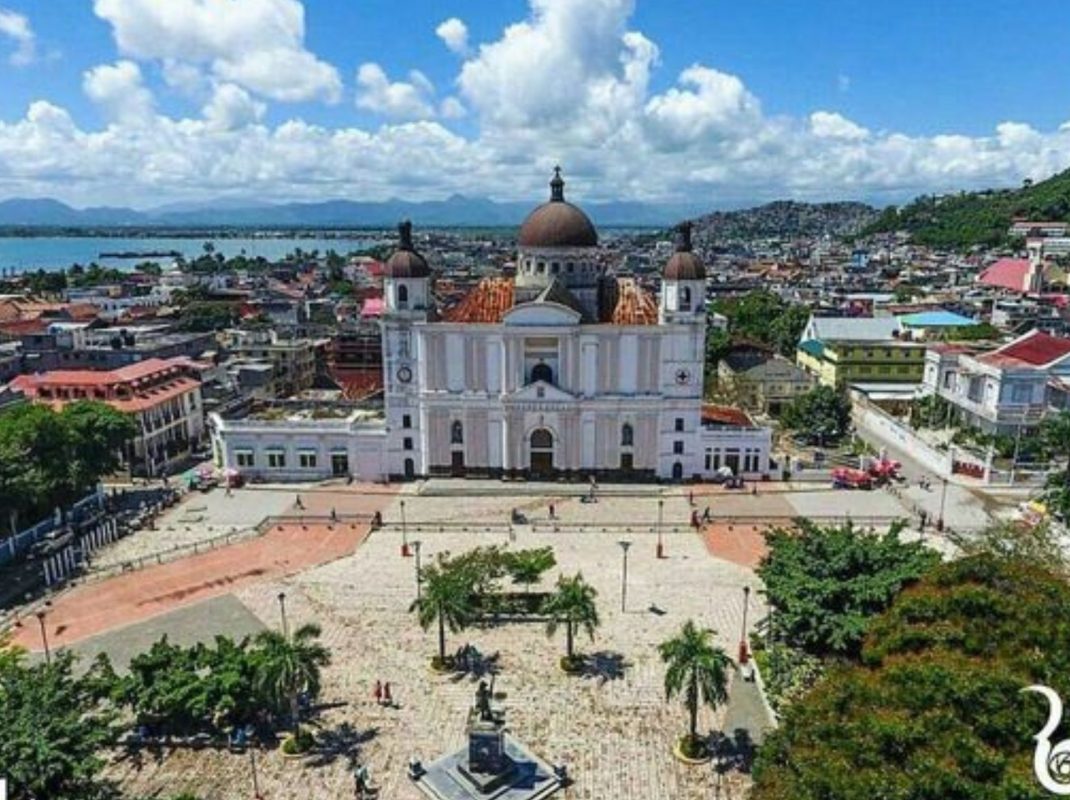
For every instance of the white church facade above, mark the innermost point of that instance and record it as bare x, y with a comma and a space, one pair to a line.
563, 371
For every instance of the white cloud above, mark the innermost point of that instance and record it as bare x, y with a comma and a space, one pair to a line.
231, 108
119, 89
397, 100
454, 33
843, 82
829, 125
17, 27
452, 108
571, 83
256, 43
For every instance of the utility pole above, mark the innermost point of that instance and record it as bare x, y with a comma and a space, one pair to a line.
661, 546
624, 545
744, 654
416, 547
44, 637
282, 615
404, 533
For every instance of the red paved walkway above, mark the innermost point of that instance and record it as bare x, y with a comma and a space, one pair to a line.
102, 606
741, 544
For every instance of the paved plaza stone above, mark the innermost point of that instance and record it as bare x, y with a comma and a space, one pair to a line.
610, 727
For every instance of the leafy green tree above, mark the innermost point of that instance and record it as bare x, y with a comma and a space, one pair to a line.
822, 415
446, 599
572, 605
286, 667
55, 728
697, 671
827, 584
98, 434
526, 567
202, 317
786, 328
1016, 540
935, 709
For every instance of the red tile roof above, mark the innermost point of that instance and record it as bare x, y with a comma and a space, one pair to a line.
1036, 348
358, 383
487, 302
725, 415
630, 304
1007, 273
624, 303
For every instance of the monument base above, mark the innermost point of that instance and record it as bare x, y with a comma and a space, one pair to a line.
528, 777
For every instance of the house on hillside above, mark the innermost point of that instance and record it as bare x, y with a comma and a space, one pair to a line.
760, 379
1002, 390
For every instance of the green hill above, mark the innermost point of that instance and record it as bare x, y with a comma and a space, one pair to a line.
969, 218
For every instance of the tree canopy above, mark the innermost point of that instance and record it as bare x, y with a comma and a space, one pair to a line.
826, 583
822, 415
54, 727
935, 710
763, 317
49, 459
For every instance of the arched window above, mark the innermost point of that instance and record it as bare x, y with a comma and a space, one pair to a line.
555, 268
542, 372
542, 267
685, 299
542, 439
403, 296
627, 435
457, 433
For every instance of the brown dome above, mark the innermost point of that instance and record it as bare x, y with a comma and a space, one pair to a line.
406, 262
557, 223
684, 265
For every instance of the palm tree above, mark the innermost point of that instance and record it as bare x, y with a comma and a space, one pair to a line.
447, 599
288, 667
697, 669
572, 604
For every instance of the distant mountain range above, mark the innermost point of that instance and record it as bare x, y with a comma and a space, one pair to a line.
785, 219
454, 211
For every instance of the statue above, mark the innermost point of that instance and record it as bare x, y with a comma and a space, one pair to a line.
483, 703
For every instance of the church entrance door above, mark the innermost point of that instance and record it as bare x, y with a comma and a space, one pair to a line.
542, 453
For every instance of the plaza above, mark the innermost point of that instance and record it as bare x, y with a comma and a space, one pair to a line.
610, 726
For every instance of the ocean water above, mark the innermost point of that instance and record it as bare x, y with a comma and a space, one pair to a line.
22, 254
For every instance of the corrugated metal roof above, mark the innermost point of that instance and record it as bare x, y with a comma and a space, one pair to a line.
855, 329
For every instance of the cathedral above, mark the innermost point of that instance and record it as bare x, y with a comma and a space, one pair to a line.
563, 371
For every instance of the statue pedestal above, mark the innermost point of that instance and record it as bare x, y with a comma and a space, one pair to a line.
488, 766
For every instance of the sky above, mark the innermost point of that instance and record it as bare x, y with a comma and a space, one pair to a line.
149, 102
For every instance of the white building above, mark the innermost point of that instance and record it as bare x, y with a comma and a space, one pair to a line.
564, 371
1003, 390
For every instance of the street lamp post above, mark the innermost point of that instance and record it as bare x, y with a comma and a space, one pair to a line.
416, 547
744, 654
943, 500
661, 546
624, 545
404, 533
44, 636
282, 614
252, 766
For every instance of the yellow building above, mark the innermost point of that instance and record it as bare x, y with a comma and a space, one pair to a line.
839, 364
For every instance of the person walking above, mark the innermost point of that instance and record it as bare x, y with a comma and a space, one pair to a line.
298, 503
552, 515
388, 700
379, 692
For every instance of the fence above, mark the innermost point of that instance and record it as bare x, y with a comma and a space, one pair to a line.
58, 567
22, 542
